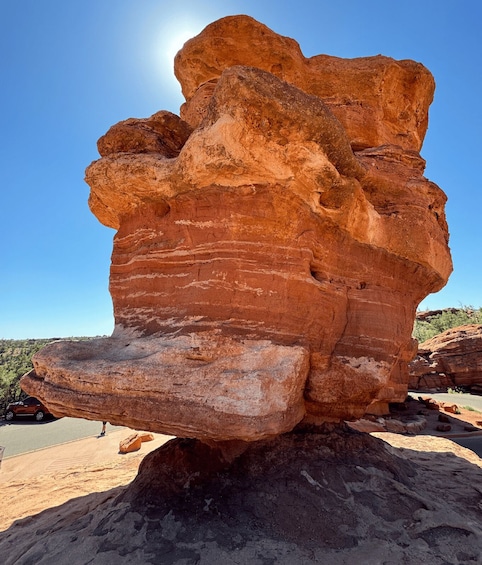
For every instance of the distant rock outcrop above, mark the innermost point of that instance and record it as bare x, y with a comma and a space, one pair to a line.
272, 245
450, 359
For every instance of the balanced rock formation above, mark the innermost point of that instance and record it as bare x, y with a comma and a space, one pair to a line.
273, 243
450, 359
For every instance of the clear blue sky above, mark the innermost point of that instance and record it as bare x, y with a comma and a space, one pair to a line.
71, 69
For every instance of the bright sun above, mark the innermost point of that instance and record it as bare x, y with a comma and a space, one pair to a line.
173, 36
167, 41
175, 41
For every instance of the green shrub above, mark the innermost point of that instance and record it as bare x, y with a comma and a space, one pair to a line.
446, 319
471, 409
15, 361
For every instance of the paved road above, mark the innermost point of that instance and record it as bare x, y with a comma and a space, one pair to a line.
473, 443
460, 399
24, 435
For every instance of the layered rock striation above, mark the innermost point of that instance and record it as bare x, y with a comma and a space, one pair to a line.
272, 245
450, 359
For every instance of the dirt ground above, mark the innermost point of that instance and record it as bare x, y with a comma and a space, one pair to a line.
419, 502
464, 423
49, 477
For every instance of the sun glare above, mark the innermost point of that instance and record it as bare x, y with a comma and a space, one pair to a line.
167, 40
175, 42
172, 39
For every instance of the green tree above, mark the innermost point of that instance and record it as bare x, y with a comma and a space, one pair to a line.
15, 361
449, 318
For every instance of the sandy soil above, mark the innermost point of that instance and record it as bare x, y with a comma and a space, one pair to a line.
49, 477
65, 503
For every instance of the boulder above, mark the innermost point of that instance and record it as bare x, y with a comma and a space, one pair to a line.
450, 359
272, 245
378, 101
210, 386
392, 425
134, 442
451, 408
430, 403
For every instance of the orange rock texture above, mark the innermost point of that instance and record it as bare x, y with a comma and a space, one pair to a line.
273, 243
450, 359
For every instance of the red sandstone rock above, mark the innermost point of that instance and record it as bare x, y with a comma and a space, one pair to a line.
367, 426
130, 444
389, 425
268, 264
378, 100
432, 404
204, 385
395, 426
452, 358
163, 133
432, 381
134, 442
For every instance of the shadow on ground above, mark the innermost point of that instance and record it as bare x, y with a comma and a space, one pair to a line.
333, 496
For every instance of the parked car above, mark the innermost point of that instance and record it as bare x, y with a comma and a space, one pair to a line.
29, 406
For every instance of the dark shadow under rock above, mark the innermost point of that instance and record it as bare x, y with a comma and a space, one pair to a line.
300, 488
318, 496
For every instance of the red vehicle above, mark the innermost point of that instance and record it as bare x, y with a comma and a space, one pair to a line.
29, 406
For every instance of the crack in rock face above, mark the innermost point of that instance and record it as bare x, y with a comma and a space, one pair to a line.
272, 245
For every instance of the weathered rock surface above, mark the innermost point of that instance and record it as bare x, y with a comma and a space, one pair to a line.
287, 212
134, 442
203, 385
389, 425
378, 100
450, 359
